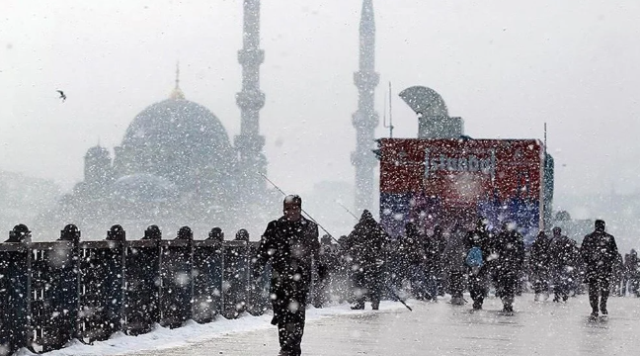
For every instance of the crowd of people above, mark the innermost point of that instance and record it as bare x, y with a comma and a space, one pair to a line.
476, 259
369, 265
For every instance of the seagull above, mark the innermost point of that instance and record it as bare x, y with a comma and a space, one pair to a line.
62, 96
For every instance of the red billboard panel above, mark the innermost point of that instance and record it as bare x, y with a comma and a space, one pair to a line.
440, 179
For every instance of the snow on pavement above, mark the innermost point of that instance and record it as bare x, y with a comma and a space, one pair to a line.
165, 338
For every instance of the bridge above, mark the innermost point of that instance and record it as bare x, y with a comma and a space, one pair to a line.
544, 328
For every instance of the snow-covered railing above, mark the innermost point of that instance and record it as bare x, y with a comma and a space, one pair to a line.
52, 292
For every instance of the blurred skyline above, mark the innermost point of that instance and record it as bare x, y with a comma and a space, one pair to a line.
505, 67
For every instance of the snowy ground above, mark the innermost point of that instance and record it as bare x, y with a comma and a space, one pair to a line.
543, 328
194, 333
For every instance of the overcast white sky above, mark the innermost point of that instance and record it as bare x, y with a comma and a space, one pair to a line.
505, 66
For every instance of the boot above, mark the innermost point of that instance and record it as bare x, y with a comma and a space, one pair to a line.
477, 305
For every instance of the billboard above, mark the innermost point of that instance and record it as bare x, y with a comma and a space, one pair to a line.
447, 181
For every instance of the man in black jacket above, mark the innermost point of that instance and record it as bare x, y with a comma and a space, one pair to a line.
291, 245
599, 251
539, 266
509, 248
562, 262
365, 246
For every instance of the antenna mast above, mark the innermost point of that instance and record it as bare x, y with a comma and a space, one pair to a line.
545, 138
390, 113
384, 116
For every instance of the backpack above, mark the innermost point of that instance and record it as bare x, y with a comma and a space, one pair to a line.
474, 257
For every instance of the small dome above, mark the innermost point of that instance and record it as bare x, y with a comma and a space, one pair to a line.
425, 101
144, 188
96, 152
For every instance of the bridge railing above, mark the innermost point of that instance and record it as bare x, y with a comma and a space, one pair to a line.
53, 292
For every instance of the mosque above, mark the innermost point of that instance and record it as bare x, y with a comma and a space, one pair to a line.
176, 164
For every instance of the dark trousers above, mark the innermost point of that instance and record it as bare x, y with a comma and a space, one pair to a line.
367, 283
506, 288
320, 293
540, 282
634, 284
623, 287
289, 314
561, 284
456, 284
478, 287
598, 292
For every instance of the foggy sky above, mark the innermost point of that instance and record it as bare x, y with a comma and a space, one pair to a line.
506, 67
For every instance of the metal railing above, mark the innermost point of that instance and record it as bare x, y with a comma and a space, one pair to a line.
53, 292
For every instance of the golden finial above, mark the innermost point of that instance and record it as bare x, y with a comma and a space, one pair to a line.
177, 94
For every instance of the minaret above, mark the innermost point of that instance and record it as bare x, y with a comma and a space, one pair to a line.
365, 120
249, 143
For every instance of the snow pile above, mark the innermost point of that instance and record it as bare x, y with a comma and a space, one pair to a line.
192, 332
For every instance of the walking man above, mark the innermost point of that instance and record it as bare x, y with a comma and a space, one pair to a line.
509, 262
539, 266
562, 262
599, 251
365, 246
291, 245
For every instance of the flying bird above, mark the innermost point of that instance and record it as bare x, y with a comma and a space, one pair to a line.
62, 96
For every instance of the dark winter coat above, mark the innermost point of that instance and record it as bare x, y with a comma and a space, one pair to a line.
366, 243
412, 247
434, 248
539, 256
290, 246
329, 258
632, 265
509, 252
455, 253
599, 251
562, 253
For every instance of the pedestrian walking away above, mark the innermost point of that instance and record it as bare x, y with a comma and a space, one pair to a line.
599, 251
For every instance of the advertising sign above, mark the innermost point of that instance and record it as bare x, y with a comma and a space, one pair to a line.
444, 182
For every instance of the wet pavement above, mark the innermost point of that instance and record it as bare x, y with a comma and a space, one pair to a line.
543, 328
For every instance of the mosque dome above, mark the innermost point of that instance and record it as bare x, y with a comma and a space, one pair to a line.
174, 139
97, 152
